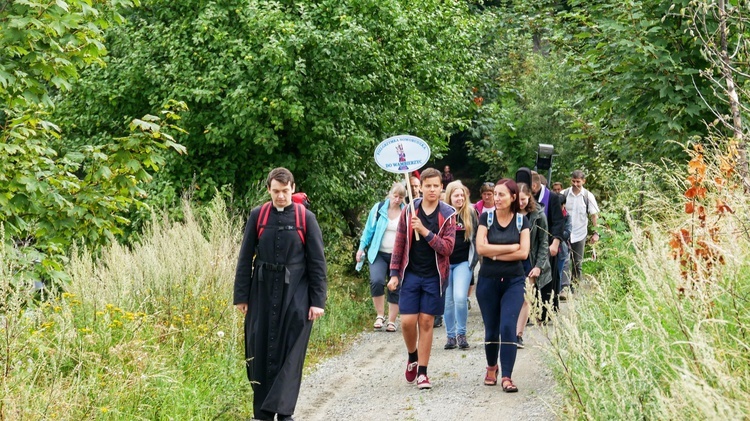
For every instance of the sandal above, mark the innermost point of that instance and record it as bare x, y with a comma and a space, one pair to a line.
378, 322
508, 386
490, 379
391, 327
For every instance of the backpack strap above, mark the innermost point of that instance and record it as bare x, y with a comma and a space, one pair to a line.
586, 200
300, 221
377, 213
585, 197
260, 225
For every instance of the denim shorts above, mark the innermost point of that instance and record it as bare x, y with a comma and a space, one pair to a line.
421, 295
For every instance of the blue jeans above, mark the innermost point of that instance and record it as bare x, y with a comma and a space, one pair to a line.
456, 308
500, 301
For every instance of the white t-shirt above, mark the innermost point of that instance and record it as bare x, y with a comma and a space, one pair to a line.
389, 236
576, 207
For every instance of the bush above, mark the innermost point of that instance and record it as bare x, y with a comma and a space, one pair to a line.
146, 331
664, 334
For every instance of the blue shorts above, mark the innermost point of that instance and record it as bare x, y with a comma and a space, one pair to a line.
421, 295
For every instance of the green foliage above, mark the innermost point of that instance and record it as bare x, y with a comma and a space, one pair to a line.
44, 44
649, 337
607, 83
639, 68
50, 202
52, 195
312, 86
529, 108
147, 331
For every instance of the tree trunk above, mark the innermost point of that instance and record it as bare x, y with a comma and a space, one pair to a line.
734, 102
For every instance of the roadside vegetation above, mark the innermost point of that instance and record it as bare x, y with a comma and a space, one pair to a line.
660, 328
112, 111
146, 331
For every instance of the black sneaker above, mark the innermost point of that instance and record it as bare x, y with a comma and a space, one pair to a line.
451, 343
438, 321
519, 342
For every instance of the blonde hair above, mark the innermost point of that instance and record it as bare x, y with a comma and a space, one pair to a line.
466, 212
397, 188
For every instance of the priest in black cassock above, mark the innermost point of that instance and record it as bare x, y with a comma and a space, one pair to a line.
280, 286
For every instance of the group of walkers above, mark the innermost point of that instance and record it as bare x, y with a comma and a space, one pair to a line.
521, 230
427, 251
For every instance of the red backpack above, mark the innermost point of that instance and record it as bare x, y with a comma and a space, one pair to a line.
300, 221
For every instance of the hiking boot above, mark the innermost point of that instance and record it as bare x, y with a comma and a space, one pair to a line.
411, 372
462, 343
566, 293
519, 342
438, 321
423, 382
451, 343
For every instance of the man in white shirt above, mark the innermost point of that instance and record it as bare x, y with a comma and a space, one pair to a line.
580, 204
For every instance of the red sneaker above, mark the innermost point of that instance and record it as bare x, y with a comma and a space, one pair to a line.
411, 372
423, 382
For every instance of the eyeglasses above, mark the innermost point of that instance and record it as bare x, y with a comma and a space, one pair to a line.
488, 184
415, 186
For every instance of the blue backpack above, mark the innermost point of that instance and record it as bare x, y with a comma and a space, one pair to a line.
491, 219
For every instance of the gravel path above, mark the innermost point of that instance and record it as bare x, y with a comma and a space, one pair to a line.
367, 382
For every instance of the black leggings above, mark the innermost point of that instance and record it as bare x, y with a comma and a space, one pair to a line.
544, 294
500, 301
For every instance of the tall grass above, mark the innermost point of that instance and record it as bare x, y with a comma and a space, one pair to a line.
653, 338
146, 331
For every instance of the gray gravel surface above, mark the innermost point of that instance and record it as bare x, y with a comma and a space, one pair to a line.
367, 382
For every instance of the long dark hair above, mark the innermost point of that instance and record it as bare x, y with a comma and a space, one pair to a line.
524, 188
515, 205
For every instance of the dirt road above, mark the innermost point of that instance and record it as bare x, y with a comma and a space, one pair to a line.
367, 382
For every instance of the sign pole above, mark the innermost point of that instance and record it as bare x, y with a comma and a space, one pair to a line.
411, 199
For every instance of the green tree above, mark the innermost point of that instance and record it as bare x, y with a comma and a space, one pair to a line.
723, 30
523, 98
53, 196
608, 83
312, 86
640, 78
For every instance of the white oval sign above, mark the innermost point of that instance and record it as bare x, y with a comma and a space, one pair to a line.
402, 154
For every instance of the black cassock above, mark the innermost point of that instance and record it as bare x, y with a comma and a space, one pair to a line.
284, 279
